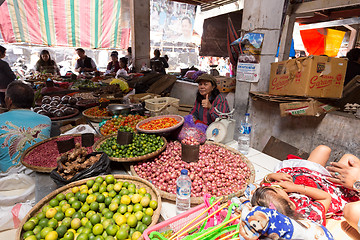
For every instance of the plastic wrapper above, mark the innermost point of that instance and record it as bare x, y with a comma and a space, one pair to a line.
192, 129
102, 166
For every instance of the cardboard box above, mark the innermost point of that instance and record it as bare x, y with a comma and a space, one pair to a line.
225, 84
306, 108
314, 76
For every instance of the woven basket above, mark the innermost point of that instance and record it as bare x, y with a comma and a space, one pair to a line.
199, 200
67, 188
133, 159
179, 118
94, 118
162, 105
37, 168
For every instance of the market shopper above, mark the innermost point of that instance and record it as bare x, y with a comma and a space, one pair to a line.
208, 98
123, 71
353, 65
114, 65
45, 64
6, 75
20, 127
84, 63
129, 57
304, 187
157, 63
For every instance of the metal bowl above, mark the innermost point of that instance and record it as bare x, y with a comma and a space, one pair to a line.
119, 109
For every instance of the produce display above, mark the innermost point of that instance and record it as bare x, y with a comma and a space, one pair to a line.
84, 84
46, 153
74, 161
56, 106
98, 112
114, 90
42, 77
190, 141
103, 208
122, 123
142, 144
160, 123
218, 171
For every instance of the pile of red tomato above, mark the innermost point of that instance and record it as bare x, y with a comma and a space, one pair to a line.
160, 123
111, 126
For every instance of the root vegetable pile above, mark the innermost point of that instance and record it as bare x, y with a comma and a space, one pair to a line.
74, 161
123, 123
160, 123
46, 154
218, 171
142, 144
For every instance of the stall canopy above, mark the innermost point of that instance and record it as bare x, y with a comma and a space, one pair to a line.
68, 23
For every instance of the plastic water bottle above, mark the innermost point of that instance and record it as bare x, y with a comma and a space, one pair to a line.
183, 192
244, 138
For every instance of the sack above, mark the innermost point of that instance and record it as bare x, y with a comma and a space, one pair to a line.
15, 204
101, 167
191, 129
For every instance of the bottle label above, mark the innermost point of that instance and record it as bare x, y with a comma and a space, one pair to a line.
184, 192
245, 129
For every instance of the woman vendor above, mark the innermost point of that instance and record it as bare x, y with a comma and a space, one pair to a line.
45, 64
114, 65
207, 99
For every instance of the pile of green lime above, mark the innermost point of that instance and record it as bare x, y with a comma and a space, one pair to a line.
142, 144
101, 209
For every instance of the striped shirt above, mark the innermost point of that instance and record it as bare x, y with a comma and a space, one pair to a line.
209, 115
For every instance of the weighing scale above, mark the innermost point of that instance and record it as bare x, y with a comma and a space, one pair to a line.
222, 129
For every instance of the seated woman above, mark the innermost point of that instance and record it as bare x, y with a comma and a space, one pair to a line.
45, 64
207, 99
304, 187
114, 65
123, 71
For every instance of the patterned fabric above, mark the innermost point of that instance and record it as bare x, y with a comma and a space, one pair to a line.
260, 221
339, 195
308, 208
20, 129
208, 116
69, 23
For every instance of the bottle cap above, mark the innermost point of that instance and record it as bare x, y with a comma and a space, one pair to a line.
247, 114
184, 172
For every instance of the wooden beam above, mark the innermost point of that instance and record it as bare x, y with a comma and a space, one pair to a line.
319, 5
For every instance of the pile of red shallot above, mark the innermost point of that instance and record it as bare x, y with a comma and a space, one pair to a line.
218, 171
190, 141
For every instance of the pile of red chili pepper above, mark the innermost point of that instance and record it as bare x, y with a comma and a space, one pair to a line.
160, 123
98, 112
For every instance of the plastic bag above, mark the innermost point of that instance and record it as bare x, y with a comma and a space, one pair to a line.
99, 168
15, 204
192, 129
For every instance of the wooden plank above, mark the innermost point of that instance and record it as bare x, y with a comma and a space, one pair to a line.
320, 5
279, 149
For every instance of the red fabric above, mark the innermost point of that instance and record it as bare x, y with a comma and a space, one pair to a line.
59, 21
85, 23
33, 21
6, 28
314, 40
290, 156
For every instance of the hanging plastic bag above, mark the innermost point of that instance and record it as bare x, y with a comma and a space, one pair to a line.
192, 129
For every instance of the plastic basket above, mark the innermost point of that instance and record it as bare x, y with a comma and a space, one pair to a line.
177, 222
162, 106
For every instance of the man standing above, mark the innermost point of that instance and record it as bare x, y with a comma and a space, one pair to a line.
6, 75
84, 63
20, 127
